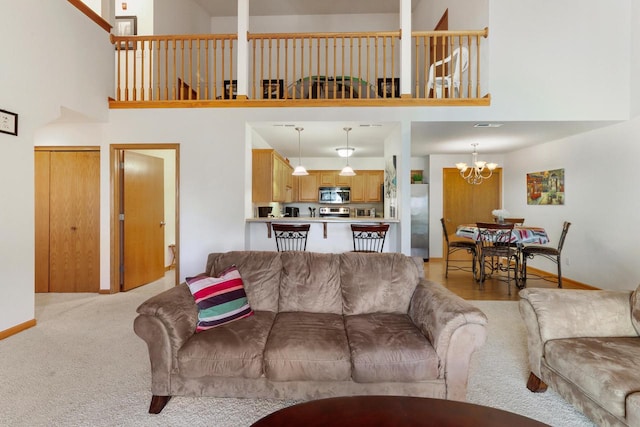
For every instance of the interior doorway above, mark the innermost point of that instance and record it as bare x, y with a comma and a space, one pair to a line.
140, 221
465, 203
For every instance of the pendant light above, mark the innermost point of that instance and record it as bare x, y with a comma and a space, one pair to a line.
347, 170
299, 170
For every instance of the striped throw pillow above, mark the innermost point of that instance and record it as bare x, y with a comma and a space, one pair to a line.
220, 300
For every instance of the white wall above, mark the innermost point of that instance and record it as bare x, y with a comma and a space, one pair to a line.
602, 202
69, 62
66, 61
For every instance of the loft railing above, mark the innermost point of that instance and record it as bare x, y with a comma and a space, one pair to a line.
296, 67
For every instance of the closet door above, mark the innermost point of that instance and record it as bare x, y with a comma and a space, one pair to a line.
74, 221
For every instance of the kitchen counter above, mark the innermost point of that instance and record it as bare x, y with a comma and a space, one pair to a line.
327, 234
308, 219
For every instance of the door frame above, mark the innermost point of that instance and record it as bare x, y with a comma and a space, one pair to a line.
115, 151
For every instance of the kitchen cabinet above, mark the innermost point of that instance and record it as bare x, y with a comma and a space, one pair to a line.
308, 187
365, 186
271, 177
328, 178
373, 182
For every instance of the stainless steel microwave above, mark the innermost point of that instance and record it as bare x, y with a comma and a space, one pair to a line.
334, 195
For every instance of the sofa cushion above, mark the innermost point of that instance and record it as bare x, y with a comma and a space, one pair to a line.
310, 282
232, 350
635, 309
387, 347
260, 272
307, 346
377, 282
220, 300
605, 369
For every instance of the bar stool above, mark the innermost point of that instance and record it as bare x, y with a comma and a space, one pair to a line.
369, 238
290, 237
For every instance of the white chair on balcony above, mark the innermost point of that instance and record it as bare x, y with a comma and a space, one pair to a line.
450, 76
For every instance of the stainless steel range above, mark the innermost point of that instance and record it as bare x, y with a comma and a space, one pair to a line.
335, 212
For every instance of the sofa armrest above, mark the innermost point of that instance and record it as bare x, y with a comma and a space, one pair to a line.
165, 322
454, 327
571, 313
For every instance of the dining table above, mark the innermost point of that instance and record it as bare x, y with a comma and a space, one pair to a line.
520, 235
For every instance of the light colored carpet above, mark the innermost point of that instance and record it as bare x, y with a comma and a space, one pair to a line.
82, 365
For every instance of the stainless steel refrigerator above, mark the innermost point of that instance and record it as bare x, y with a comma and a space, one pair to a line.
420, 220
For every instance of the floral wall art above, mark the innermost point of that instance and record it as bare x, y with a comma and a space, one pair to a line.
546, 187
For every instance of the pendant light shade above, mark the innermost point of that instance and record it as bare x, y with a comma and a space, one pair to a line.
299, 170
347, 170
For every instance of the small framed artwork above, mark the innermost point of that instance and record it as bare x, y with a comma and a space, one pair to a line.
8, 122
126, 26
545, 187
230, 89
272, 89
389, 87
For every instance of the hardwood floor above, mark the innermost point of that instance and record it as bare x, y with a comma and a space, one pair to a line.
462, 283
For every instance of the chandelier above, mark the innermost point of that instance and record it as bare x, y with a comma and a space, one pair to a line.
479, 169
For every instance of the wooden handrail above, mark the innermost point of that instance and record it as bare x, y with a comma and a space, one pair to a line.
298, 67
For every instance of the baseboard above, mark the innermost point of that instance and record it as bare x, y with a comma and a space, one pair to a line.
566, 280
17, 329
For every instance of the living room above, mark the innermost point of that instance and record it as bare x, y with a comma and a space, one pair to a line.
200, 130
64, 60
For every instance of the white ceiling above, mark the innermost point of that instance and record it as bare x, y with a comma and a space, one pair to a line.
319, 139
302, 7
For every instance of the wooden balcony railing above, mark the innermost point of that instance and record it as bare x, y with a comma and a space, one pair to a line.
300, 67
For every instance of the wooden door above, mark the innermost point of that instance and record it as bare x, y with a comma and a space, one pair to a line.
466, 203
143, 228
74, 222
308, 187
438, 48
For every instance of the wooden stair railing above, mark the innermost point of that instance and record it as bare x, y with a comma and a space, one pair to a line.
294, 68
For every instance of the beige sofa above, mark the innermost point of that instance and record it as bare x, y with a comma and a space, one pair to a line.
585, 346
324, 325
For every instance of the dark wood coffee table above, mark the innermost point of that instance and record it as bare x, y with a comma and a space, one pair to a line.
388, 411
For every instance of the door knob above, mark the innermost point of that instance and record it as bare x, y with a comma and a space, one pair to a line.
162, 223
74, 228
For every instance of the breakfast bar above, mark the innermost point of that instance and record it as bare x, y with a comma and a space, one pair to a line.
328, 235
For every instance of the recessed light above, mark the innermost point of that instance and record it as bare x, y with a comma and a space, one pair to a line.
487, 125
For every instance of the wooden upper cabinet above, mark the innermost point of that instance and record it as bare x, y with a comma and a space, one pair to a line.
343, 181
308, 187
271, 177
328, 178
373, 189
365, 186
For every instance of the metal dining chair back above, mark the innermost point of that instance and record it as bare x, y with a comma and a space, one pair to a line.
291, 237
514, 221
550, 253
495, 244
454, 246
369, 238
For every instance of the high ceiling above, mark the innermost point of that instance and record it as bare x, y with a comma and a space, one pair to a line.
302, 7
319, 139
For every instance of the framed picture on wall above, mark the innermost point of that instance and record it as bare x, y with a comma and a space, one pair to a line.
126, 26
230, 89
272, 89
8, 122
389, 87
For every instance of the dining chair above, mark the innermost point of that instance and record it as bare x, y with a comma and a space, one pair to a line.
291, 237
369, 238
548, 252
514, 221
494, 240
459, 245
